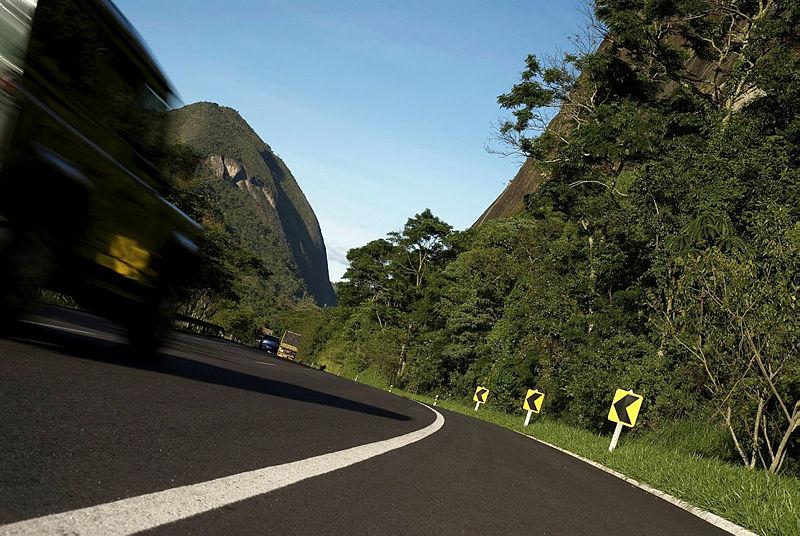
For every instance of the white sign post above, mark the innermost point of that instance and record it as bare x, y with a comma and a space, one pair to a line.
532, 403
615, 437
480, 397
624, 410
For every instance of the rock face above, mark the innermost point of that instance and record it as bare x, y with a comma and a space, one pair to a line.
227, 168
235, 154
528, 179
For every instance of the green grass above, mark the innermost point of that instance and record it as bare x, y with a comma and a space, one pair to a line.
670, 461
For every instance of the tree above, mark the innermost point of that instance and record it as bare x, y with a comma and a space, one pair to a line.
737, 316
421, 243
731, 39
368, 275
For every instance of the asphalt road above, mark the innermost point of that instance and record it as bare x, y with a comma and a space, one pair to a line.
82, 425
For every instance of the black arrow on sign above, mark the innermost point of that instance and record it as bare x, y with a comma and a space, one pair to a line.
480, 394
621, 407
533, 398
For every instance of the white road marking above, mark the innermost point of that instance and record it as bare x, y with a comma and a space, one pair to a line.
263, 363
714, 519
135, 514
54, 326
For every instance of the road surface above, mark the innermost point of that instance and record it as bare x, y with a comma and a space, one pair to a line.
218, 438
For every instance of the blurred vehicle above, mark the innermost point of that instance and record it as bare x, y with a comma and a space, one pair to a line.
290, 344
270, 343
82, 120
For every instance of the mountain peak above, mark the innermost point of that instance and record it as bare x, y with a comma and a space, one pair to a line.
233, 152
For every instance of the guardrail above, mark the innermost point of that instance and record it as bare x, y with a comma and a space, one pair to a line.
199, 326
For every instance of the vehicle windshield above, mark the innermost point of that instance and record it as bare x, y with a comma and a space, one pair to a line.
15, 28
80, 59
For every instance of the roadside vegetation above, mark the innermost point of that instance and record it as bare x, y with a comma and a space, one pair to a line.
661, 254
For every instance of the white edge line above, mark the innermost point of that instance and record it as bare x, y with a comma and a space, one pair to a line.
714, 519
143, 512
54, 326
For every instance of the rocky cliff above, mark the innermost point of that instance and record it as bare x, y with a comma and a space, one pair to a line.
235, 154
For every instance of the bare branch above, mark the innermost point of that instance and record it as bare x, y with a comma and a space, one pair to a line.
767, 377
733, 436
578, 183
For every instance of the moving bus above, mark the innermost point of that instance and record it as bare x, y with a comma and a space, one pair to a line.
82, 207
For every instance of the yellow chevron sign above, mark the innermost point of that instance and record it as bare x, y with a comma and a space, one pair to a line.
533, 401
481, 395
625, 407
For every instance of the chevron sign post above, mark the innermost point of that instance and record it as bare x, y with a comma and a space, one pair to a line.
624, 411
480, 396
532, 403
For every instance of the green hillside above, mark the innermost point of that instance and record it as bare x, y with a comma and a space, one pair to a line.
264, 206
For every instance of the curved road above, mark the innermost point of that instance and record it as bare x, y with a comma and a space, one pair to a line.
81, 425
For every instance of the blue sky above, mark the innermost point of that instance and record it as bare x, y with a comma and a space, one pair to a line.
380, 108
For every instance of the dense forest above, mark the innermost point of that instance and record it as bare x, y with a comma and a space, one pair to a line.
662, 253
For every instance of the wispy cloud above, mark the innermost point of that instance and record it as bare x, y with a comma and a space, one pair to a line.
339, 239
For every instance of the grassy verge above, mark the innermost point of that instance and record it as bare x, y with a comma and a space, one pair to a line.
768, 505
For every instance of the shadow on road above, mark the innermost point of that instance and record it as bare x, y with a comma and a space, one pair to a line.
116, 353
